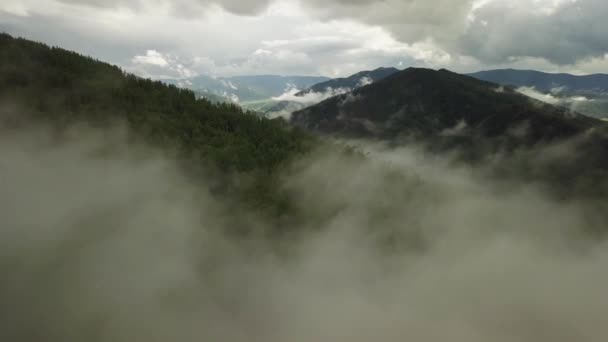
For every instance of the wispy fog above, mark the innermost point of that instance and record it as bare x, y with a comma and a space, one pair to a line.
554, 97
297, 101
310, 98
105, 240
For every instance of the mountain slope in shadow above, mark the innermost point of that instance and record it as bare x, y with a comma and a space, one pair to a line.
426, 103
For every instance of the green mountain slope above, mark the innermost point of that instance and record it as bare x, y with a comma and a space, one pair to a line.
428, 103
238, 151
63, 87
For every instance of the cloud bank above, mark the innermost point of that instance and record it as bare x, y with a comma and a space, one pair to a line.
110, 242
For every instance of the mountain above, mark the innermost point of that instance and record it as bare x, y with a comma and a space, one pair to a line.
428, 103
585, 94
352, 82
276, 96
246, 88
44, 86
290, 102
546, 82
475, 122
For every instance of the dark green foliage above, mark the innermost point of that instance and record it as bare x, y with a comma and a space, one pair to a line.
62, 88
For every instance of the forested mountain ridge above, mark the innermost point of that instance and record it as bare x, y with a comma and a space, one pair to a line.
62, 87
425, 102
476, 120
235, 152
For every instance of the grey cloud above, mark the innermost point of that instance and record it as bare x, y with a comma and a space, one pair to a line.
573, 31
86, 39
136, 4
248, 7
410, 20
564, 32
316, 45
243, 7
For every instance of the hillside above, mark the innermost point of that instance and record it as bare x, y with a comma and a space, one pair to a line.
62, 87
476, 122
426, 103
42, 85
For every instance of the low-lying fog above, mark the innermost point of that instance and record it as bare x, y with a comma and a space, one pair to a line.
105, 241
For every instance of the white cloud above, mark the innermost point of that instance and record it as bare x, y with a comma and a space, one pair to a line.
15, 8
158, 65
365, 81
311, 97
553, 97
151, 57
535, 94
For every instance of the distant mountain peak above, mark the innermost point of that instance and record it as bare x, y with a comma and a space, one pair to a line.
585, 93
426, 102
351, 82
544, 81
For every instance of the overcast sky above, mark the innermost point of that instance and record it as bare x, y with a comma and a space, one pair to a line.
182, 38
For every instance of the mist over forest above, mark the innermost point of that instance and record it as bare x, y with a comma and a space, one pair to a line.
110, 241
379, 204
